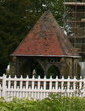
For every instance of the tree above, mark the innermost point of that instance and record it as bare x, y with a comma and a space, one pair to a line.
17, 17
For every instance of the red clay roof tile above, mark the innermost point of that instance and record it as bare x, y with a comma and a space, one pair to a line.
45, 39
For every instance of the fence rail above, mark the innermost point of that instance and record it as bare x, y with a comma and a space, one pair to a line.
39, 88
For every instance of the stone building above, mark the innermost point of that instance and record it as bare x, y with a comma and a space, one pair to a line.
75, 19
46, 50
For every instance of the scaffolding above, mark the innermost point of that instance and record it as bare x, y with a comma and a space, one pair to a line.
74, 23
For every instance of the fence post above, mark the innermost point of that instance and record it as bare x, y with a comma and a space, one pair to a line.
4, 85
84, 86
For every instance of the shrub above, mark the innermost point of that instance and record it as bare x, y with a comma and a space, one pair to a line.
53, 103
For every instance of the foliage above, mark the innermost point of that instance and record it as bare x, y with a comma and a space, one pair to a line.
53, 103
17, 17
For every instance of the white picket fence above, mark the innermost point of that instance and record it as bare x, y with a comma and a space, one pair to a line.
39, 88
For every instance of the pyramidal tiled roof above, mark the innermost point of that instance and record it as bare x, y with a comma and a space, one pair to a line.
46, 39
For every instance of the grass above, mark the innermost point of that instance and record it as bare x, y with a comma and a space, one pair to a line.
53, 103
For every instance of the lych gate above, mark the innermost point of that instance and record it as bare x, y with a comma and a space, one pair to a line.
46, 50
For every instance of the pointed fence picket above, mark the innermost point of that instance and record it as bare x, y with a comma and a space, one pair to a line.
39, 88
